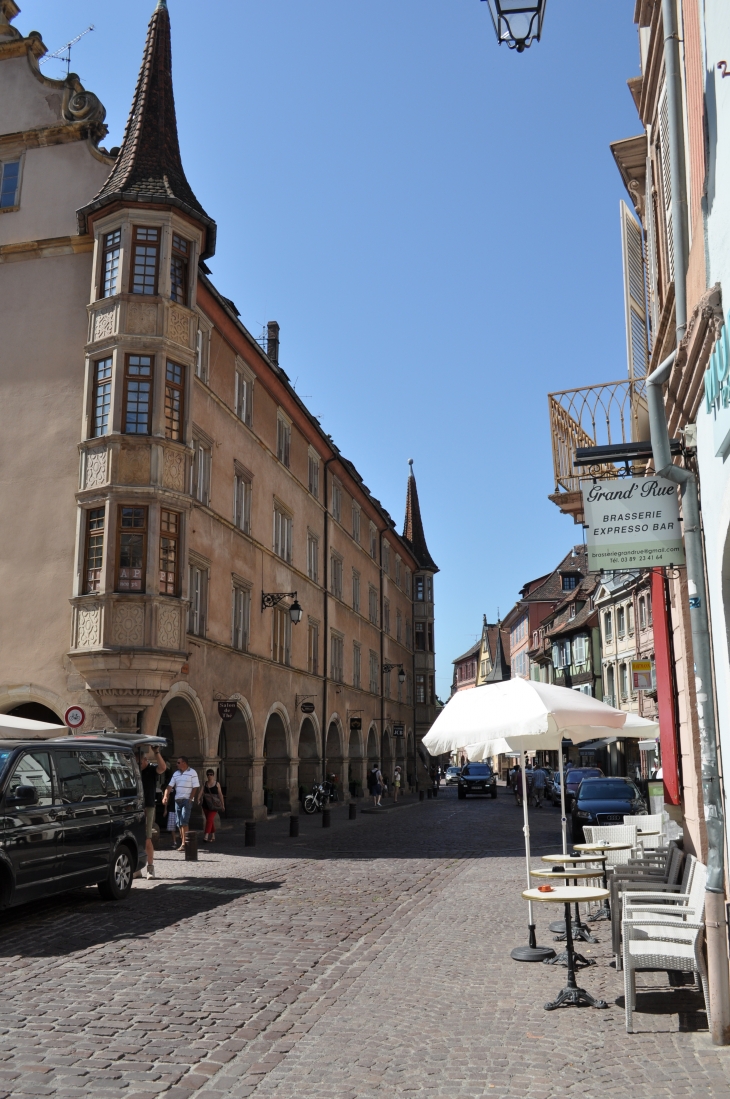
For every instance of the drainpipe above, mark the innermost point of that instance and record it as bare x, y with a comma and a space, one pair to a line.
325, 616
715, 918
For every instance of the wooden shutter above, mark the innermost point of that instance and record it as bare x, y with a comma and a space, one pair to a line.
637, 341
666, 178
651, 249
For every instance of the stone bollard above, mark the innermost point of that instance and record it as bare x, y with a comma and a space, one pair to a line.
326, 821
352, 811
421, 795
250, 840
293, 826
429, 793
191, 847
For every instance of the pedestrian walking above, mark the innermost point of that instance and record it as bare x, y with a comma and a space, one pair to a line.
538, 786
149, 770
185, 787
397, 780
171, 823
376, 780
213, 803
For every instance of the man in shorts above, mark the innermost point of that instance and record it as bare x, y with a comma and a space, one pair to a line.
185, 786
150, 769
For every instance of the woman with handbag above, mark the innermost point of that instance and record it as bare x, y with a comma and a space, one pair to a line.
212, 803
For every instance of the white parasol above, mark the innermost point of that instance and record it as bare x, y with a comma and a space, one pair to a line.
23, 728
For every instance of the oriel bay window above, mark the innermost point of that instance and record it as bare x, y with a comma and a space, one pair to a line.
169, 551
145, 260
174, 389
110, 256
137, 413
132, 549
179, 269
102, 399
94, 549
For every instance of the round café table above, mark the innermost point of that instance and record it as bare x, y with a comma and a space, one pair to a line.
604, 912
567, 895
579, 929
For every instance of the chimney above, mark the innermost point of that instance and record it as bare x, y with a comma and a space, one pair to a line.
272, 341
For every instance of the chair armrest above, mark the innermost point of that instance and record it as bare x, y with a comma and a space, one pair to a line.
626, 885
658, 893
661, 924
660, 909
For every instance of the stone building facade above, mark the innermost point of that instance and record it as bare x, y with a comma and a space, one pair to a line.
180, 506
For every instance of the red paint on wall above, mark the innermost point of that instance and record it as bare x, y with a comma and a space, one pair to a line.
665, 689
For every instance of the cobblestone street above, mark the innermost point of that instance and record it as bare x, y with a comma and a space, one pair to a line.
368, 960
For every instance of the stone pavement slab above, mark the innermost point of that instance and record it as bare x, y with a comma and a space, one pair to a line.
367, 960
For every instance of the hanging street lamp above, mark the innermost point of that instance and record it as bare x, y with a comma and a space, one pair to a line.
272, 598
401, 673
517, 22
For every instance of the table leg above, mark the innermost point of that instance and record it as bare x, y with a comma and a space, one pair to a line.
571, 994
580, 931
604, 912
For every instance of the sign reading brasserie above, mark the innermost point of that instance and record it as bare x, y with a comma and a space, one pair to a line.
632, 523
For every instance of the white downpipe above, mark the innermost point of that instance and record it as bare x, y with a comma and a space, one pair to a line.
563, 817
526, 830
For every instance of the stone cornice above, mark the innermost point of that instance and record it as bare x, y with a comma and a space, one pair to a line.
60, 133
40, 249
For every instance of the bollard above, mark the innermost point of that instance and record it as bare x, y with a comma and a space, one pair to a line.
293, 826
421, 795
435, 791
191, 847
429, 793
250, 840
326, 822
352, 811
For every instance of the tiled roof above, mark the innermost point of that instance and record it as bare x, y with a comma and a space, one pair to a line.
499, 653
413, 527
473, 651
149, 167
574, 562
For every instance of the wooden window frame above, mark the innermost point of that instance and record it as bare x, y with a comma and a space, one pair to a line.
131, 378
106, 381
242, 493
285, 518
313, 647
169, 579
182, 257
144, 242
356, 591
281, 628
174, 386
283, 440
111, 248
143, 531
241, 616
312, 557
336, 574
95, 537
313, 461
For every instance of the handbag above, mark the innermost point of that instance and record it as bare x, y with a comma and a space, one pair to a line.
212, 800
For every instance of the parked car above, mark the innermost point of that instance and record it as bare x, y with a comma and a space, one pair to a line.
452, 775
573, 779
477, 778
605, 801
71, 814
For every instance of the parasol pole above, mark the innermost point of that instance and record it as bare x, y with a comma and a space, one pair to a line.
563, 818
532, 952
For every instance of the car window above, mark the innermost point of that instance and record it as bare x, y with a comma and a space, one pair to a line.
120, 773
608, 789
33, 769
477, 769
80, 776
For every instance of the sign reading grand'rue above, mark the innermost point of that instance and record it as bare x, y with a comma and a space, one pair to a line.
632, 523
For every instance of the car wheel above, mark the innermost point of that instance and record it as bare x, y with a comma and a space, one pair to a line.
462, 793
118, 883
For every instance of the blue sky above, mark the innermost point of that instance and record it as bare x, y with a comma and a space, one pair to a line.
432, 219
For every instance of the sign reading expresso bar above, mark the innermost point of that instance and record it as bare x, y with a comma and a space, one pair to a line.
632, 523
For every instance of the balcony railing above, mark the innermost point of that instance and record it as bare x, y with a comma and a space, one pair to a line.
611, 412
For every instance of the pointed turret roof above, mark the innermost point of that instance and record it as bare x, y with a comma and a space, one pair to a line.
500, 665
413, 526
149, 167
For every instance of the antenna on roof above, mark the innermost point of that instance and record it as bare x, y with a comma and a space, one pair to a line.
59, 54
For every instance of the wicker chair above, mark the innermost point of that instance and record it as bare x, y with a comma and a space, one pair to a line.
651, 823
670, 908
613, 833
646, 875
658, 945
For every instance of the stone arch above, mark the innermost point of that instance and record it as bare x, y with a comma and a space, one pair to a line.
276, 777
334, 752
235, 752
386, 756
357, 763
17, 700
373, 751
310, 756
182, 723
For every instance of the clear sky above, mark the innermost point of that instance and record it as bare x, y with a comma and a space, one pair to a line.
432, 219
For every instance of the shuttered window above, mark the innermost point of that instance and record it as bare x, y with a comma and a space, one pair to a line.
637, 343
666, 168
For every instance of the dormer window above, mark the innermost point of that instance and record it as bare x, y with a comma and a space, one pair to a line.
110, 263
179, 269
145, 256
570, 583
9, 184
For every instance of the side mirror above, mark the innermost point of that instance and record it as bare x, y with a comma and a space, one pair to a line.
24, 795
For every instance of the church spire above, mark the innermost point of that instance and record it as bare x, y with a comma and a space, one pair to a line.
500, 668
149, 167
413, 525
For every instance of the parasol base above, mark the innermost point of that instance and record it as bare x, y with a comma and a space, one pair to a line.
532, 953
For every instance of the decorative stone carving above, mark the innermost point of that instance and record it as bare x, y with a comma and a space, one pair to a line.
87, 628
78, 105
134, 466
141, 319
168, 627
96, 464
173, 470
178, 327
104, 322
128, 624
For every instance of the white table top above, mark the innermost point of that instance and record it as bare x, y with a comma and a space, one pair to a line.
567, 894
573, 859
576, 872
607, 846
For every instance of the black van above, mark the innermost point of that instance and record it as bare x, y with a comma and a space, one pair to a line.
71, 814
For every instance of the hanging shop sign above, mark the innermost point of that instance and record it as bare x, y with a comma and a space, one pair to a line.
641, 675
307, 707
399, 730
227, 709
355, 724
632, 523
717, 392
